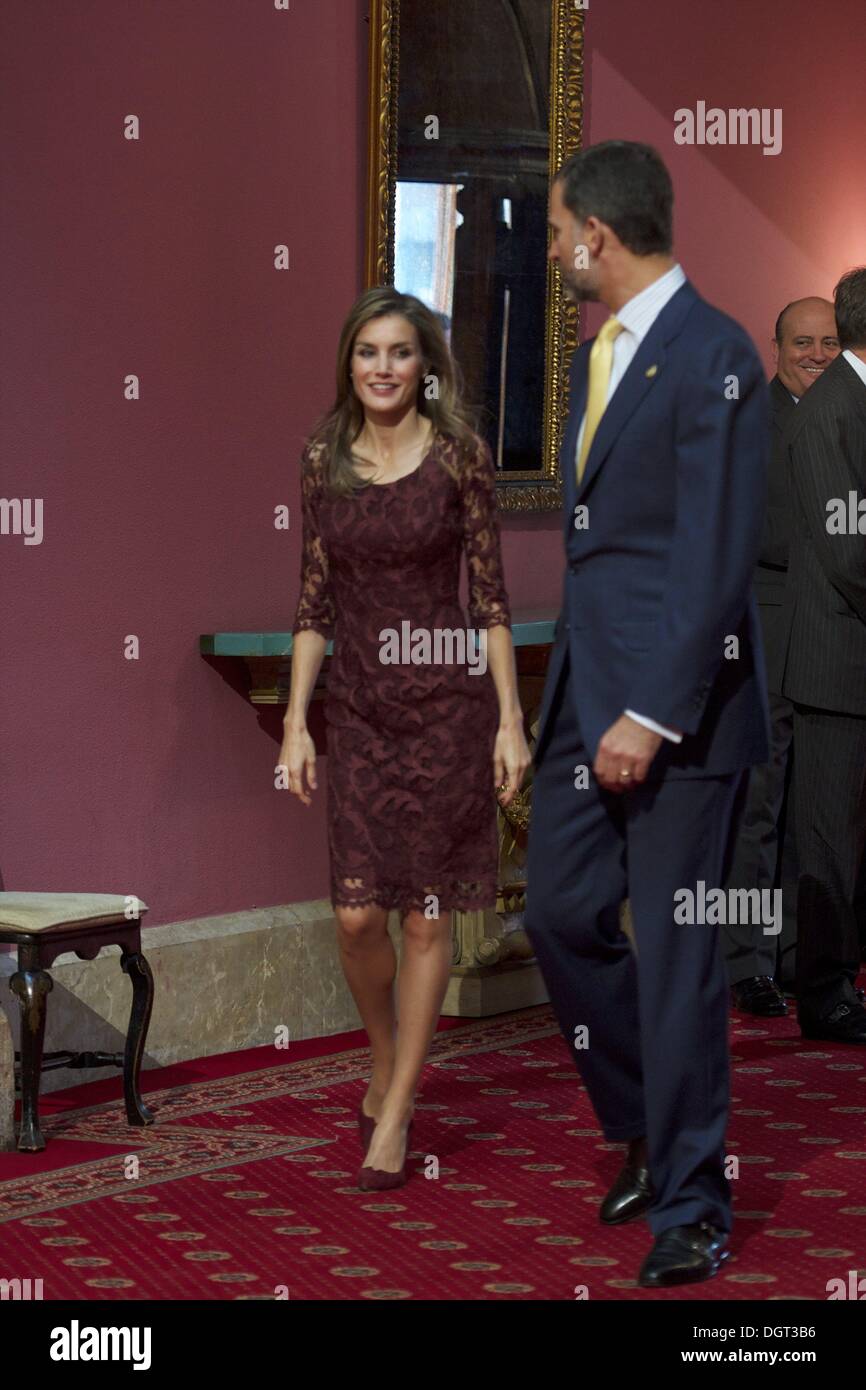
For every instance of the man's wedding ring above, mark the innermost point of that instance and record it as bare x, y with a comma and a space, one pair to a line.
625, 772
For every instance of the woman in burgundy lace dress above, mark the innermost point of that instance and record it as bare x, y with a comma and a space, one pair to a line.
424, 724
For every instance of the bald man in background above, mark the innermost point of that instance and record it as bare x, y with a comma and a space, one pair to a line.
804, 345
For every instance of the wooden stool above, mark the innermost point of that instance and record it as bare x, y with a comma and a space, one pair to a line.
43, 926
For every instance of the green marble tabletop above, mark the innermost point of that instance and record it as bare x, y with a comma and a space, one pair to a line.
529, 629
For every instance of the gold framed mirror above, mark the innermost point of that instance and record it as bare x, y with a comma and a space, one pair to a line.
474, 105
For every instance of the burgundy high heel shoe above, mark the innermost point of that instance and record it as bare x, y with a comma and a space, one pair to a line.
379, 1179
366, 1125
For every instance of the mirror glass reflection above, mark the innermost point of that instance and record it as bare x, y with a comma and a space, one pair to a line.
470, 215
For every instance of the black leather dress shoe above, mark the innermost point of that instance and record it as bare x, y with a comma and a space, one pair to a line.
846, 1024
632, 1194
759, 995
684, 1255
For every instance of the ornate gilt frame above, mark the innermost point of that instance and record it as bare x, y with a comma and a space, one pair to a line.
536, 490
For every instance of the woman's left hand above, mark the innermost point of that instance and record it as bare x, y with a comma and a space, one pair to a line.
511, 758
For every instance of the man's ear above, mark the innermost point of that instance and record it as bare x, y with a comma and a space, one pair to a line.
775, 347
593, 235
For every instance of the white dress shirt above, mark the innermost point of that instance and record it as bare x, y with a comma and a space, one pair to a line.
637, 317
853, 360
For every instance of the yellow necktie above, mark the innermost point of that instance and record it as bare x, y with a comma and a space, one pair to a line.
600, 364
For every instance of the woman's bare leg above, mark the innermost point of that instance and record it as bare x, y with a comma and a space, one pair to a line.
370, 965
424, 968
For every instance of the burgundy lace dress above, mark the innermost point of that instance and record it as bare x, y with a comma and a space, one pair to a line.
411, 800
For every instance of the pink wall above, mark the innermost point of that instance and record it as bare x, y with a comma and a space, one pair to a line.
154, 257
753, 231
155, 776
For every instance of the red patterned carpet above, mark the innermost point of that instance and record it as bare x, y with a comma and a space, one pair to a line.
246, 1180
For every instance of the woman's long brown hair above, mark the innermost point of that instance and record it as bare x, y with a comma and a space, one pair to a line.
340, 427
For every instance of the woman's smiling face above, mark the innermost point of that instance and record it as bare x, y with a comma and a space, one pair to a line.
386, 365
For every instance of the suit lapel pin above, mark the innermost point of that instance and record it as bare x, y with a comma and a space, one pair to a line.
651, 371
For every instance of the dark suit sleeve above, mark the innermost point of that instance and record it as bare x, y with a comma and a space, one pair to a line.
774, 543
777, 529
720, 459
827, 456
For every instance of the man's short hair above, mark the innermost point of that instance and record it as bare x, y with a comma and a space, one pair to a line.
850, 301
626, 185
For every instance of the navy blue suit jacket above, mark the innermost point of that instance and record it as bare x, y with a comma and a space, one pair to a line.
660, 574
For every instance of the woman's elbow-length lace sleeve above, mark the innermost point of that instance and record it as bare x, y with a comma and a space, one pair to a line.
488, 600
315, 612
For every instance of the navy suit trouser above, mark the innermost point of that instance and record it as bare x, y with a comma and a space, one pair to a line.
654, 1053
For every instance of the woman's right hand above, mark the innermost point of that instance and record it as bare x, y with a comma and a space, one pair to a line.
298, 756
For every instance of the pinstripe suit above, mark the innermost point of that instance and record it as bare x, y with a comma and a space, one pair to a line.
772, 568
825, 677
766, 816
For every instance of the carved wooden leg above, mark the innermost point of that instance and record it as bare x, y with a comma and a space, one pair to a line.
139, 972
7, 1085
32, 988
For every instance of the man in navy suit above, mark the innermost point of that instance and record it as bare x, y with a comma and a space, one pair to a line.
655, 703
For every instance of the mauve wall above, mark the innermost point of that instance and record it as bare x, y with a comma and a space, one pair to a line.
753, 231
154, 257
